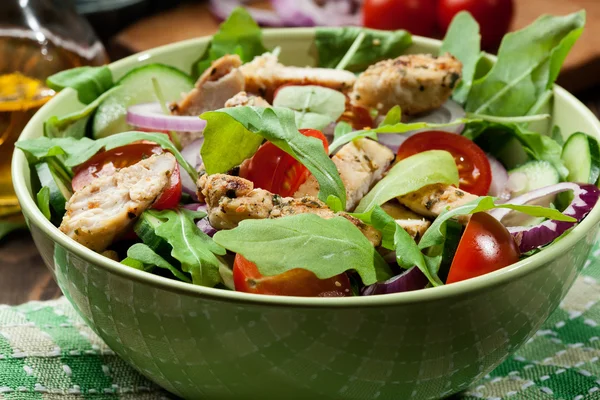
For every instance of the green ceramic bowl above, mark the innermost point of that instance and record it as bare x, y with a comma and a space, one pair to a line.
203, 343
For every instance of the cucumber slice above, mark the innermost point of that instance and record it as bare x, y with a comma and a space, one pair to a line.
135, 88
59, 190
581, 156
145, 228
530, 176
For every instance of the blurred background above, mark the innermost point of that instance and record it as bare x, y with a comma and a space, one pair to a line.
41, 37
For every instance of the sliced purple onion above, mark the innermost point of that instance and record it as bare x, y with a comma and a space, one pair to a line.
222, 8
193, 207
191, 153
151, 116
529, 238
206, 227
412, 279
326, 13
499, 186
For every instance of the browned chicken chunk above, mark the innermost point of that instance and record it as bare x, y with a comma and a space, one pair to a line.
431, 201
231, 199
416, 82
244, 99
411, 222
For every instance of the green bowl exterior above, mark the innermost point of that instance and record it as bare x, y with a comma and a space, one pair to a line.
203, 343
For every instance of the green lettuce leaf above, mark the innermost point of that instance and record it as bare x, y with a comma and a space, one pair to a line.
247, 126
333, 44
315, 106
463, 41
148, 259
411, 174
326, 247
528, 64
43, 201
239, 34
74, 152
89, 82
194, 249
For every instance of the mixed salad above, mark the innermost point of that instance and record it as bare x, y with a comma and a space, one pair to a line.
375, 172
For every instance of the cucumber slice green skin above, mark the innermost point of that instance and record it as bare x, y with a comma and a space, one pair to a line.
137, 88
581, 156
533, 175
50, 176
145, 229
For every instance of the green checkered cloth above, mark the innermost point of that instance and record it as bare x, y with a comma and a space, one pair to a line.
48, 353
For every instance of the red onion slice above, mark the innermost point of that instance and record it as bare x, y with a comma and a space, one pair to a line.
529, 238
151, 116
309, 13
191, 153
222, 8
412, 279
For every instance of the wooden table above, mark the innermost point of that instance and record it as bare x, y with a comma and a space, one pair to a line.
23, 275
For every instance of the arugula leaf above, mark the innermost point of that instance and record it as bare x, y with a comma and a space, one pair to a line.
394, 237
463, 41
43, 201
89, 82
333, 44
315, 106
411, 174
492, 136
326, 247
148, 258
74, 124
193, 248
343, 135
239, 34
435, 234
130, 262
247, 126
77, 151
528, 64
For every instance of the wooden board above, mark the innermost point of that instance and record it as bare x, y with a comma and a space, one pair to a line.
189, 20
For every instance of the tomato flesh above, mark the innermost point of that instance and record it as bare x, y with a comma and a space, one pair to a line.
110, 161
416, 16
494, 17
296, 282
486, 246
473, 166
274, 170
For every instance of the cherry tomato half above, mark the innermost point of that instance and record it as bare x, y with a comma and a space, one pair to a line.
486, 246
494, 17
416, 16
473, 166
296, 282
108, 162
274, 170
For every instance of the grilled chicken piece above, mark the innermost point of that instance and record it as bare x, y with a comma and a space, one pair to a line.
431, 201
231, 199
411, 222
107, 207
361, 164
215, 86
243, 99
265, 74
417, 83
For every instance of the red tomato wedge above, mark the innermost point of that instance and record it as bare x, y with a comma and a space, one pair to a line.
108, 162
274, 170
485, 246
296, 282
473, 166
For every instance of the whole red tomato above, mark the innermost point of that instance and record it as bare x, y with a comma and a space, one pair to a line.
494, 17
416, 16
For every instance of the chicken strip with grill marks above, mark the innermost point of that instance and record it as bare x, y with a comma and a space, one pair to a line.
107, 207
265, 74
244, 99
416, 82
361, 163
231, 199
411, 222
216, 85
431, 201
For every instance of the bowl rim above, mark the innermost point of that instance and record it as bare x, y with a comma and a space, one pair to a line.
459, 289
